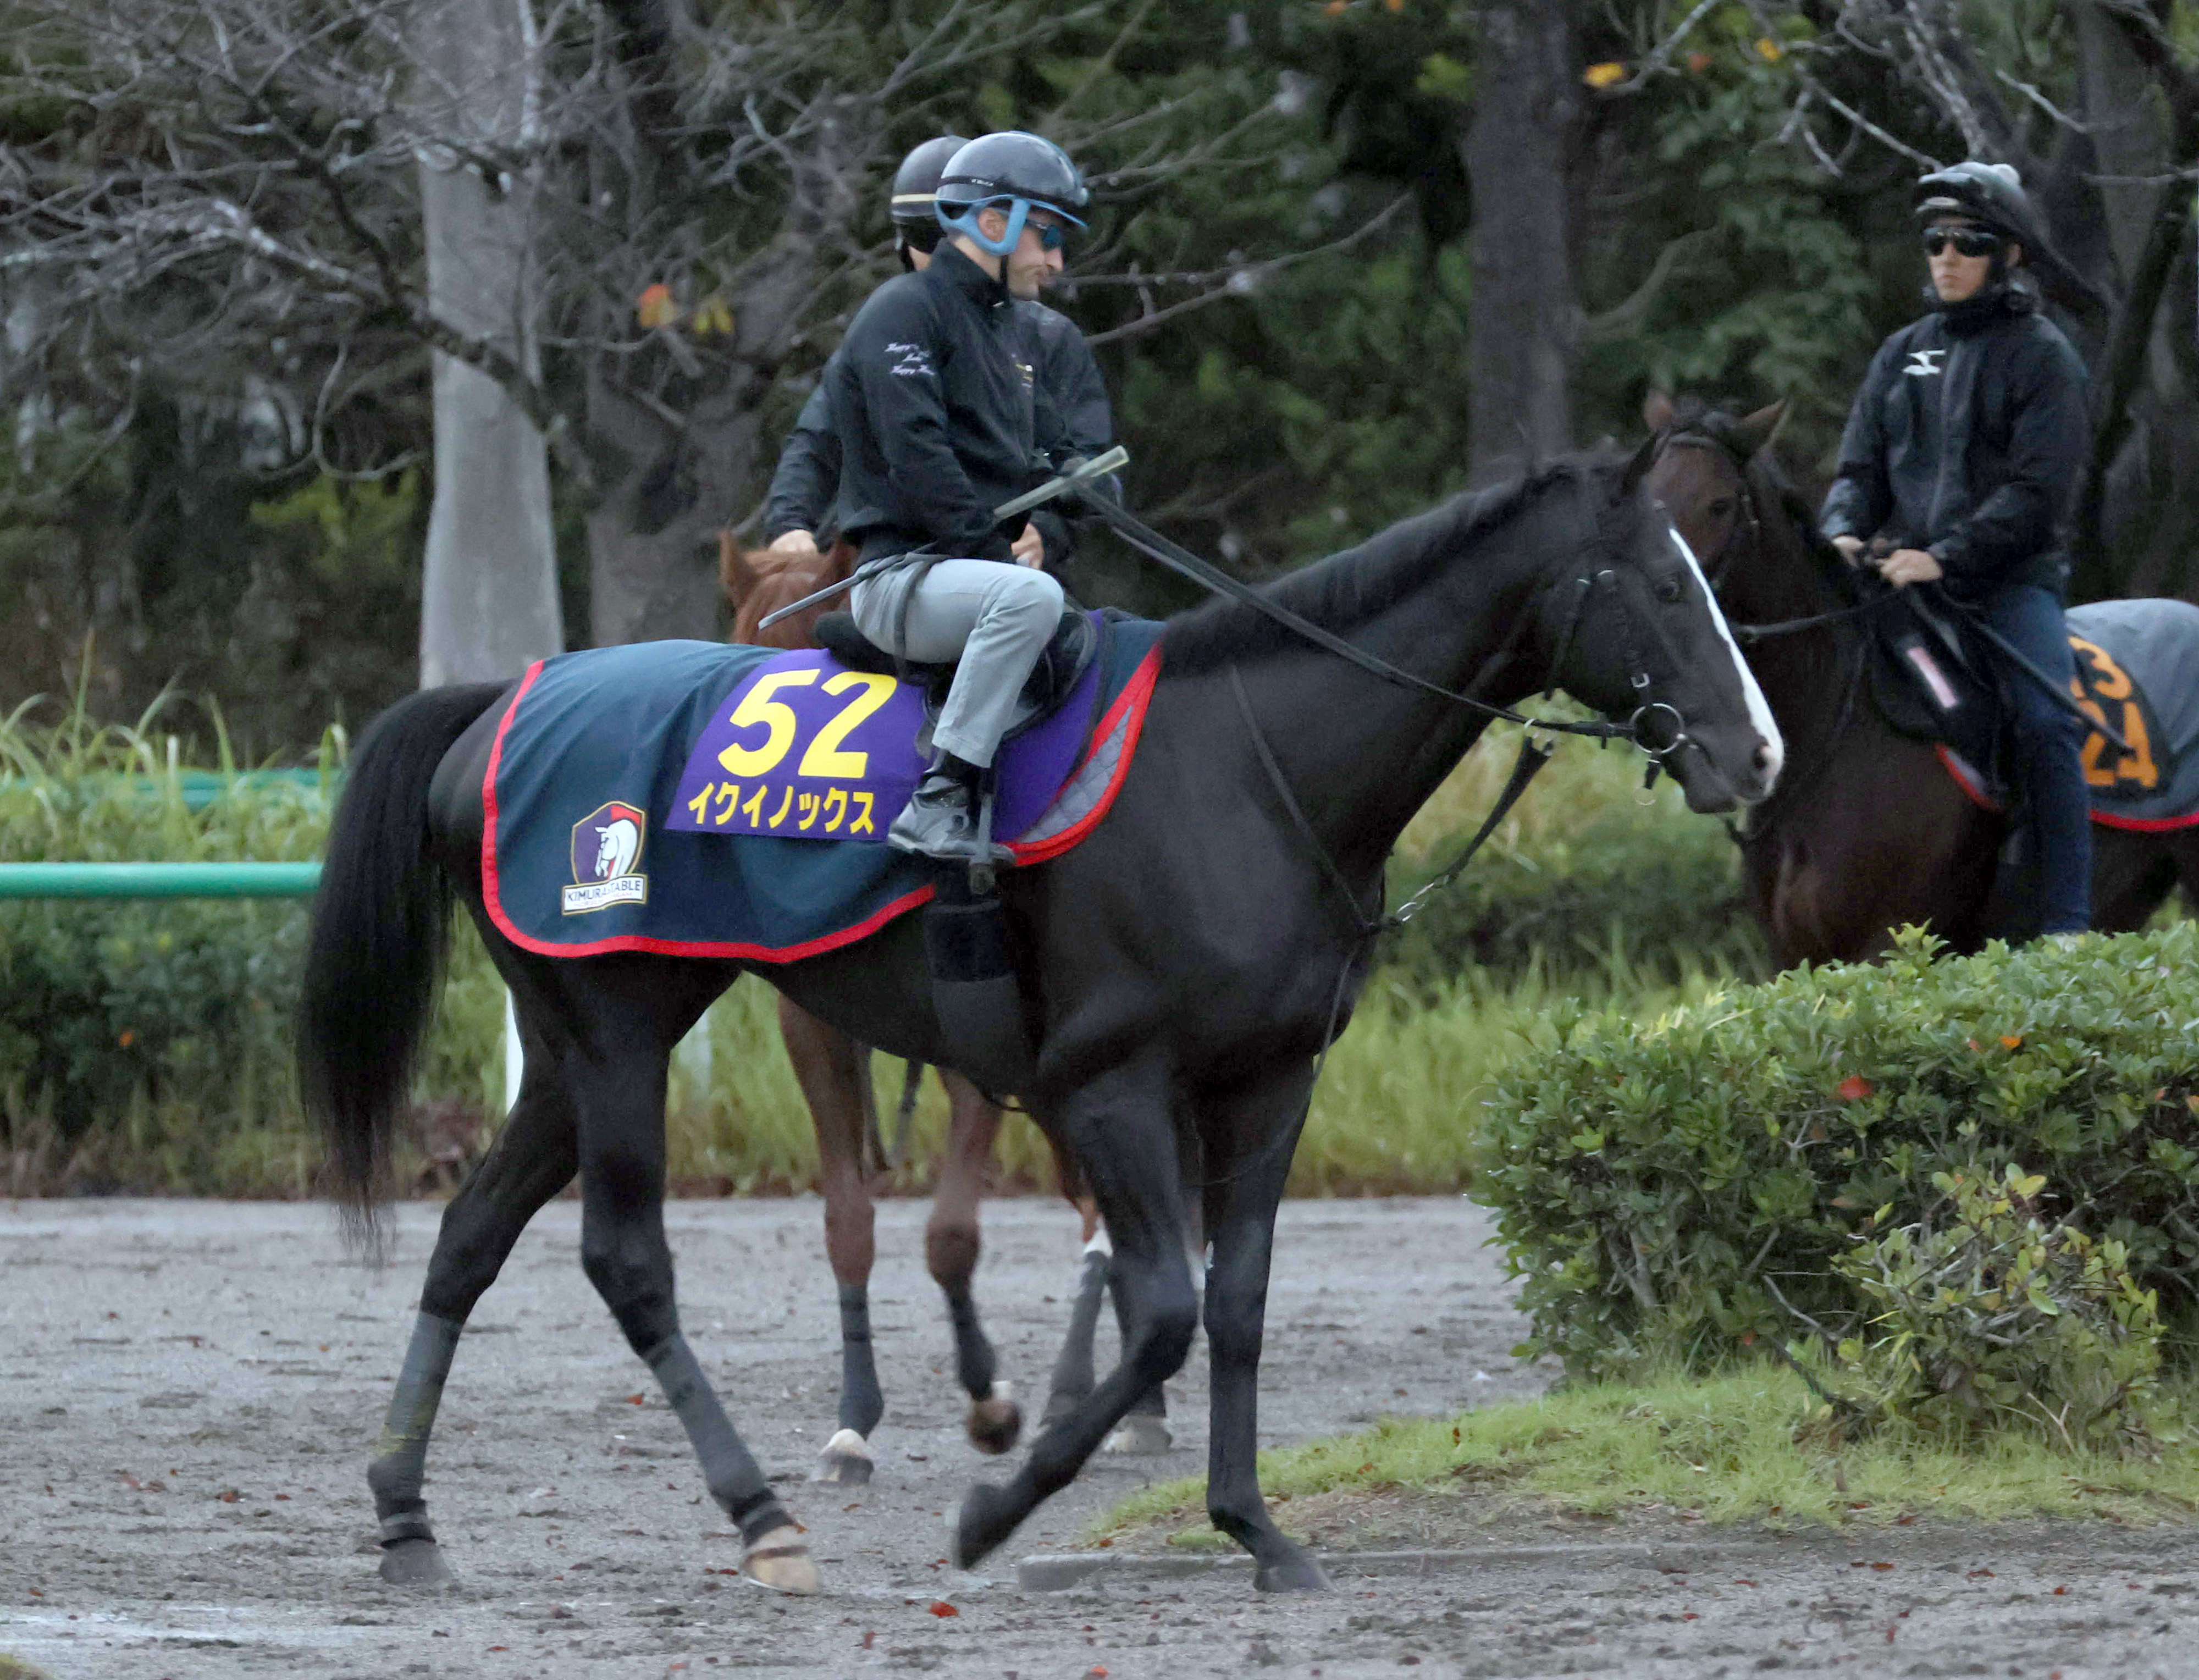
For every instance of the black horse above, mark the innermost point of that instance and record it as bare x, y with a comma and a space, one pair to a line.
1185, 966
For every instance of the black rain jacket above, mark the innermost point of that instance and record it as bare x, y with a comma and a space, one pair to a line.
1966, 440
1070, 416
935, 421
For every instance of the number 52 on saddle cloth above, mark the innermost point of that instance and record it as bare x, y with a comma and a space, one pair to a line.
707, 800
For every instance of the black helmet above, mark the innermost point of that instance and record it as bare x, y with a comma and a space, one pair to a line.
1013, 168
1990, 193
916, 181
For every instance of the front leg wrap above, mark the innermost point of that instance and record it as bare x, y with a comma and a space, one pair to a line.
400, 1469
729, 1469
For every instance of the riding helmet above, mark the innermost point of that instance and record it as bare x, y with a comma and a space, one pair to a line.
1990, 193
1015, 169
916, 182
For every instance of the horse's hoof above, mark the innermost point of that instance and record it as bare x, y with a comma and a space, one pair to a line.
1140, 1434
1295, 1573
415, 1563
845, 1460
995, 1420
780, 1562
978, 1523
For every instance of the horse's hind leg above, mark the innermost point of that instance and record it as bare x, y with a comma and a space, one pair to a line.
2131, 875
616, 1070
1121, 1128
951, 1246
532, 1158
833, 1070
1073, 1376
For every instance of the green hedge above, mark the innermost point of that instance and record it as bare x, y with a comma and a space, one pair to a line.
1588, 880
1674, 1189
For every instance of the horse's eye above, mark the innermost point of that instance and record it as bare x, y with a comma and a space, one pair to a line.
1723, 506
1669, 591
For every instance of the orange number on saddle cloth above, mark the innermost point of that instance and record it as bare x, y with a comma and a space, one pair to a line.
2107, 682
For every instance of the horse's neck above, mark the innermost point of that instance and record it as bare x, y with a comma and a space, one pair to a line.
1803, 673
1362, 754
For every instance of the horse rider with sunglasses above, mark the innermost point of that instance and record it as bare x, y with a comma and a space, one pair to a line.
937, 428
1070, 414
1959, 465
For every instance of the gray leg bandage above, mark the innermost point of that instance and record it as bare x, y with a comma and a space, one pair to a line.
399, 1468
729, 1470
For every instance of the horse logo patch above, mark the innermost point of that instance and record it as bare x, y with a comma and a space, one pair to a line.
607, 858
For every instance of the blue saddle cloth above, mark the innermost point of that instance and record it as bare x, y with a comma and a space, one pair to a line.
2137, 668
707, 800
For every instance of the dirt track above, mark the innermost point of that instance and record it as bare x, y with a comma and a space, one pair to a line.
188, 1391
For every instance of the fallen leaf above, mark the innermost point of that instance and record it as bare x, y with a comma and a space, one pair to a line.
2011, 1041
1853, 1089
941, 1608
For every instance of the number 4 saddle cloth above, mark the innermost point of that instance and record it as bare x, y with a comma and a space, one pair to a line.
706, 800
2138, 670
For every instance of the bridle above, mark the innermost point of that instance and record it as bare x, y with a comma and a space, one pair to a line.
1588, 588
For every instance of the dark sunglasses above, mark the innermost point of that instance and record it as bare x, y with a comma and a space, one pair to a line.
1052, 237
1967, 241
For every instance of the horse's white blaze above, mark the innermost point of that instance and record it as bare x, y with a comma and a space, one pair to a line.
1759, 708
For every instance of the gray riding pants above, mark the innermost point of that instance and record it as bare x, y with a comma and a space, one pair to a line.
994, 616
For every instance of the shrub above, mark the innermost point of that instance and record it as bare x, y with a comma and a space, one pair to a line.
1676, 1187
1581, 880
1987, 1314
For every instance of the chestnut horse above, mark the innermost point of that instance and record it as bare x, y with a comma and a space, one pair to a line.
834, 1072
1867, 831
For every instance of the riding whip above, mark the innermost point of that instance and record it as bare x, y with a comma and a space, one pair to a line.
1080, 473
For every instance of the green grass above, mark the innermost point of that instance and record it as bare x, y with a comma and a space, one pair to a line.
1721, 1448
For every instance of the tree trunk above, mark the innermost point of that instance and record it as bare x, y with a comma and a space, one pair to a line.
2117, 103
489, 593
1522, 340
666, 492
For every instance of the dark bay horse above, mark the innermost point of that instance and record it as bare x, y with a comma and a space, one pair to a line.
1867, 831
1185, 966
834, 1072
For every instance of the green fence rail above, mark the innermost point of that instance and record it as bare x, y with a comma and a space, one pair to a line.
158, 880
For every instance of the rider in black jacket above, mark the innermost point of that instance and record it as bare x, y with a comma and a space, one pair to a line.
1961, 456
1070, 416
936, 428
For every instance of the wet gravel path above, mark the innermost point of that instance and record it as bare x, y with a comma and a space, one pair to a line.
188, 1391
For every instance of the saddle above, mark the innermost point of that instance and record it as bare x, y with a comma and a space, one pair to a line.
1933, 679
1068, 656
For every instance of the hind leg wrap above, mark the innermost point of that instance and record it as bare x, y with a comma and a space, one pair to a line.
729, 1469
862, 1403
399, 1470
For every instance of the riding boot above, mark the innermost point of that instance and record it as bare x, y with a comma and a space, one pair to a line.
943, 816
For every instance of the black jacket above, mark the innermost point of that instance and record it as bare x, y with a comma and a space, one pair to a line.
1966, 440
1069, 416
934, 418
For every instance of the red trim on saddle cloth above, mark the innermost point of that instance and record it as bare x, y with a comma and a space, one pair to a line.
1132, 701
1977, 797
1130, 704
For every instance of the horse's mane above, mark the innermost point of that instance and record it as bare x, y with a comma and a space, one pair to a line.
1348, 588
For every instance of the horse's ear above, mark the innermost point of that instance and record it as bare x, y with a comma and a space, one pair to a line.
737, 573
1658, 410
1758, 430
1637, 467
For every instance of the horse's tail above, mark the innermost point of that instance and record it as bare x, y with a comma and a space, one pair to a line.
382, 920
